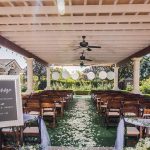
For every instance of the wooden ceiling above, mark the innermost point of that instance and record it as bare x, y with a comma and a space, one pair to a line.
120, 27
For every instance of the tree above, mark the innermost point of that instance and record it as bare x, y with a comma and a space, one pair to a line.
145, 67
126, 70
39, 70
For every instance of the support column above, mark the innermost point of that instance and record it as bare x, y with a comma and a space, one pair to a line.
48, 78
136, 75
116, 79
29, 75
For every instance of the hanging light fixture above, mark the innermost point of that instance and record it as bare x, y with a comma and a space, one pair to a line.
61, 7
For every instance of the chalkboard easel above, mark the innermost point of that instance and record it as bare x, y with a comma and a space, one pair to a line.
10, 104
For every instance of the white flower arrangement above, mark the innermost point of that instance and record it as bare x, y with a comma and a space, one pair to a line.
31, 147
143, 144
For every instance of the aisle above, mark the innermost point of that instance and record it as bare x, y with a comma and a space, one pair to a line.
81, 127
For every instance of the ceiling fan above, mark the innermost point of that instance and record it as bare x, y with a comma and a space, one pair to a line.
81, 63
85, 44
82, 57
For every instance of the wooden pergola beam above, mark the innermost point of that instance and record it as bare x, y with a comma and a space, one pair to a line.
140, 53
12, 46
75, 9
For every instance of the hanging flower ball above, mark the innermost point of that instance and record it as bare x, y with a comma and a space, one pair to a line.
110, 75
91, 75
75, 76
65, 74
102, 75
55, 75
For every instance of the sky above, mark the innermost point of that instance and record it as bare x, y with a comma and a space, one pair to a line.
8, 54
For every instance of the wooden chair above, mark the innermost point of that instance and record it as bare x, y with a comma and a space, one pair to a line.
103, 103
32, 131
11, 137
59, 103
113, 112
146, 115
33, 108
131, 110
131, 131
98, 100
49, 110
145, 107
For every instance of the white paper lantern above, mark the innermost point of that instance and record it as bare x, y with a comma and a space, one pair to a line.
75, 76
65, 74
55, 75
91, 75
102, 75
110, 75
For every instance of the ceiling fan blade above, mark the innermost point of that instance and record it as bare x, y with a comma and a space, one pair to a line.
77, 48
88, 59
89, 49
94, 46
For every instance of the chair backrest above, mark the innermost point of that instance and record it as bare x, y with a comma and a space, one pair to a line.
35, 96
56, 99
45, 99
131, 101
32, 106
47, 105
114, 104
130, 110
118, 98
106, 98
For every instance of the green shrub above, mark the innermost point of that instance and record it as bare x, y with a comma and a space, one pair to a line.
129, 87
145, 86
23, 88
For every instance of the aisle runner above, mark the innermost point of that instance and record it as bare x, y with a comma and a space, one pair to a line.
81, 126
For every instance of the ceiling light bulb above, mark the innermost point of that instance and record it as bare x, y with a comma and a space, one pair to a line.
61, 7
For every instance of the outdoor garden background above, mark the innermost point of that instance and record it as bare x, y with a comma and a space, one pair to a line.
84, 85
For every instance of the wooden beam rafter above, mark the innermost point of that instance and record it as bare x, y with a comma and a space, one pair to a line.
140, 53
75, 27
65, 34
75, 9
74, 19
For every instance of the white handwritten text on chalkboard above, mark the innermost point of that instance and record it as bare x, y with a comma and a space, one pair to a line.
5, 90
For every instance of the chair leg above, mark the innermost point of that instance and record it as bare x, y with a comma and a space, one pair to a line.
125, 141
106, 121
97, 106
1, 139
54, 122
62, 111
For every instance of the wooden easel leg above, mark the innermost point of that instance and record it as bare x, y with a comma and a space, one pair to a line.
1, 139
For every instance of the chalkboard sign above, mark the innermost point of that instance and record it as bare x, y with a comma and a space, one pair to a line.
10, 101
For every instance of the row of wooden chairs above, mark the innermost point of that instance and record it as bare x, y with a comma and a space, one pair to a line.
47, 105
113, 106
44, 104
